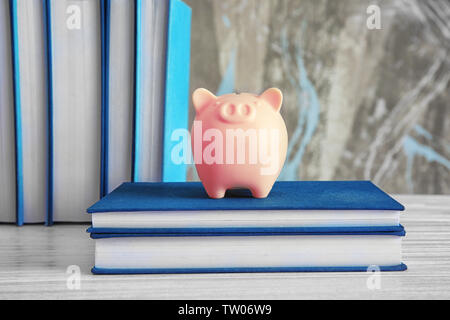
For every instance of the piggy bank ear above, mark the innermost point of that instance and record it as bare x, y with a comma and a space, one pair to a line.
202, 98
274, 97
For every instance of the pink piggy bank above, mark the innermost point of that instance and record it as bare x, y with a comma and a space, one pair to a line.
238, 141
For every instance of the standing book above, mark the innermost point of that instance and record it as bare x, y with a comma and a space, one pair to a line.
118, 39
74, 34
151, 38
7, 135
31, 106
176, 103
162, 87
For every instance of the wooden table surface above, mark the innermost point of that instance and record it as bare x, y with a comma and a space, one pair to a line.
34, 262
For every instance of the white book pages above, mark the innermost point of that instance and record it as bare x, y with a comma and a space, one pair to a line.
248, 251
7, 158
33, 97
245, 219
152, 69
121, 92
76, 63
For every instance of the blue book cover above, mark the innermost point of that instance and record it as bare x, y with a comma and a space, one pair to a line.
31, 107
291, 195
181, 232
176, 111
7, 134
118, 29
261, 232
105, 14
99, 271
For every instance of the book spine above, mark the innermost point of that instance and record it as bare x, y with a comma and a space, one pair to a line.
177, 86
7, 141
17, 113
48, 40
136, 149
118, 92
30, 91
105, 35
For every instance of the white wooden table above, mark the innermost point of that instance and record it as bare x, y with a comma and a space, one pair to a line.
34, 261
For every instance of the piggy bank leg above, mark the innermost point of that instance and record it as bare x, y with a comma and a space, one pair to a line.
261, 191
215, 191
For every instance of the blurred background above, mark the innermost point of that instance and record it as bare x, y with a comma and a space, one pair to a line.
359, 103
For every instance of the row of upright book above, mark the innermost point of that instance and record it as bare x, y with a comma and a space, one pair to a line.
90, 92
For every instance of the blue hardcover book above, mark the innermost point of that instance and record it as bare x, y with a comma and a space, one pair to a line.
323, 206
74, 50
220, 253
162, 85
150, 63
7, 135
118, 31
176, 105
31, 107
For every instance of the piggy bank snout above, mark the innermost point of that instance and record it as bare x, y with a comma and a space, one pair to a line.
237, 113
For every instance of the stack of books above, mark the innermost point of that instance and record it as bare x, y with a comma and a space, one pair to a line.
300, 227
